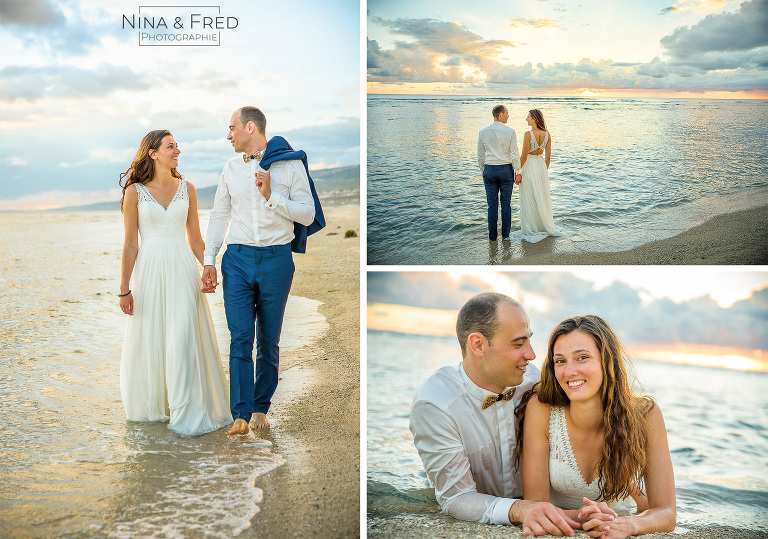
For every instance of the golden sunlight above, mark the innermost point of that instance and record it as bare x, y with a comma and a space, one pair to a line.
706, 356
412, 320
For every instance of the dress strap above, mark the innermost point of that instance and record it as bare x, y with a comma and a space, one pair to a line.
143, 192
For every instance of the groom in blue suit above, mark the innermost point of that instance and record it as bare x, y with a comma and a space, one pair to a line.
270, 204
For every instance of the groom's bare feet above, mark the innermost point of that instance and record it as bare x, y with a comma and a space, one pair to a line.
259, 421
239, 427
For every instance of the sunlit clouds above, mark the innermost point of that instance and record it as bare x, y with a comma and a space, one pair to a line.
661, 314
689, 49
77, 92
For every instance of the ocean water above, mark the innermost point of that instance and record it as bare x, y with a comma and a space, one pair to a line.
717, 426
70, 463
623, 173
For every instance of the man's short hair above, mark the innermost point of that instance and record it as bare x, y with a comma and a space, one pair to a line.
497, 110
252, 114
480, 315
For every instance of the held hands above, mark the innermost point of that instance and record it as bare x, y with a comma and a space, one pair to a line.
599, 520
518, 179
262, 183
209, 280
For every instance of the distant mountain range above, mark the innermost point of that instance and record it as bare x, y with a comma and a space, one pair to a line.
334, 186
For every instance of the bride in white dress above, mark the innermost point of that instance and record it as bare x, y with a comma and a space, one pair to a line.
588, 442
536, 222
170, 368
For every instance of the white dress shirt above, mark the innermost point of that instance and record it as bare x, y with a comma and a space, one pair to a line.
497, 145
257, 221
467, 451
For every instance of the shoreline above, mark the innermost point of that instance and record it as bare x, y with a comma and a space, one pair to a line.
737, 238
316, 409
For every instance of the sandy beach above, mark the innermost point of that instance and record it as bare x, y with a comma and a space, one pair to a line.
437, 526
731, 239
316, 409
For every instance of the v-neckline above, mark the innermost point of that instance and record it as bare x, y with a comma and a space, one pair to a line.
165, 208
573, 453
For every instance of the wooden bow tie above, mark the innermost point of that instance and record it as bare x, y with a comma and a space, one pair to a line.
248, 158
490, 400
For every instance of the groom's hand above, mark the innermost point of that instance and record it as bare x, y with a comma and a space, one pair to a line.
518, 179
542, 518
262, 183
209, 280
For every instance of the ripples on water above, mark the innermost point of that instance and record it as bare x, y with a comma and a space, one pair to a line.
717, 423
624, 172
70, 464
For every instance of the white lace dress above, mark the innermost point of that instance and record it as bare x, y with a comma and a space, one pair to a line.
170, 368
567, 485
536, 222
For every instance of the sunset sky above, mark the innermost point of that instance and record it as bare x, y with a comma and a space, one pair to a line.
713, 317
77, 92
681, 48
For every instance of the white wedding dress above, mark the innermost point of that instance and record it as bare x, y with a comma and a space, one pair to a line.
536, 221
567, 486
170, 367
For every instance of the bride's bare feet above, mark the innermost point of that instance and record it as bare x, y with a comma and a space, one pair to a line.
259, 421
239, 427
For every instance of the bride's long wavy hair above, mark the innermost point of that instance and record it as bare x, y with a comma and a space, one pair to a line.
623, 458
142, 169
538, 117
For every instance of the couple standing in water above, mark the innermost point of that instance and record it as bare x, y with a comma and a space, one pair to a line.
501, 164
170, 368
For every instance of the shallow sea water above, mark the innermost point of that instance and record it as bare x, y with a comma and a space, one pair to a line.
624, 172
717, 425
70, 463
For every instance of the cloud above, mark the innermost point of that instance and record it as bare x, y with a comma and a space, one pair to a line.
16, 162
40, 25
698, 321
723, 52
33, 83
30, 13
525, 24
438, 52
741, 31
337, 143
695, 5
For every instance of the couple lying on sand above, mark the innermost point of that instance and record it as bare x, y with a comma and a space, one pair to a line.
554, 451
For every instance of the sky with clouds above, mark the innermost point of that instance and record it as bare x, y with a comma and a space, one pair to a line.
684, 48
78, 92
709, 314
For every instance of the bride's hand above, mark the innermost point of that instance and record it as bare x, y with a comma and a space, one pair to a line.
518, 179
126, 304
595, 518
618, 529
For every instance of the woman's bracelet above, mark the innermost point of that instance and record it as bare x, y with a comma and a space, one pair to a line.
123, 295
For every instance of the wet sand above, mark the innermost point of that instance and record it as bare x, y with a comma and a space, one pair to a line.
732, 239
438, 526
316, 410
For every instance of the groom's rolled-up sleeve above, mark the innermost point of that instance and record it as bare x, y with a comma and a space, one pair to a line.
438, 442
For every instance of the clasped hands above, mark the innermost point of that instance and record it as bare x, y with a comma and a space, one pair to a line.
209, 279
518, 179
594, 519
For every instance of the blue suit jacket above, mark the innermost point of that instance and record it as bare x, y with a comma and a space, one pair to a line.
278, 149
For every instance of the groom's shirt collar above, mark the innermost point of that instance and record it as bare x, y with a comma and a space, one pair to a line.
477, 392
